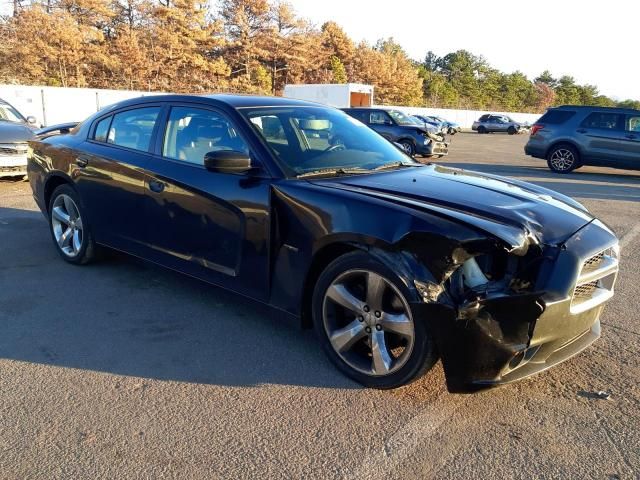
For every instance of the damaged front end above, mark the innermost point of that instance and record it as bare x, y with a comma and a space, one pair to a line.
500, 312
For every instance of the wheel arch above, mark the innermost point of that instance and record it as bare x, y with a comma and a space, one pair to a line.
567, 142
51, 183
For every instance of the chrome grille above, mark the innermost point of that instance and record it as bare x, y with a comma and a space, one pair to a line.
13, 149
595, 281
593, 262
585, 291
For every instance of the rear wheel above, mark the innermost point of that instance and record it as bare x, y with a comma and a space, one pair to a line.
563, 159
408, 147
69, 227
364, 322
482, 129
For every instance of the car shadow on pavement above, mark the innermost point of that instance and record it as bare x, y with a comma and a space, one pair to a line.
580, 183
127, 317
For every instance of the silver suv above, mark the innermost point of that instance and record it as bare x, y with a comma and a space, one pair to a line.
569, 137
492, 122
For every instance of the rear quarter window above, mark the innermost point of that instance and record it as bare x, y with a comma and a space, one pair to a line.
556, 117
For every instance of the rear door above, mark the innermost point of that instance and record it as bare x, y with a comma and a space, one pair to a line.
110, 175
602, 133
214, 226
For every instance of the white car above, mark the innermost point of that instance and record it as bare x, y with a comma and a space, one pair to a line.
15, 131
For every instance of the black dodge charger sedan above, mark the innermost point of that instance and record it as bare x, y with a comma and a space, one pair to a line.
395, 264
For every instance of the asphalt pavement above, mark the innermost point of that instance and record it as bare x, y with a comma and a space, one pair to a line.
125, 370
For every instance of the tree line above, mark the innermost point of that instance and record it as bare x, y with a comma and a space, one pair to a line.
249, 46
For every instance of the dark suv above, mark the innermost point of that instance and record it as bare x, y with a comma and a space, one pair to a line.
397, 127
570, 136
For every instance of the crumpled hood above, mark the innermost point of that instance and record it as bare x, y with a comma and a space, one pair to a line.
516, 212
14, 132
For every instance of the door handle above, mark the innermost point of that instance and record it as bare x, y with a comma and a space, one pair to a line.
581, 130
156, 186
82, 161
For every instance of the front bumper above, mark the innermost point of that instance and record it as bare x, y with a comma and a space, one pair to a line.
507, 337
13, 165
433, 148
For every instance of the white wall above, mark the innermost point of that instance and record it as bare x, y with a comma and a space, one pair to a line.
51, 105
465, 118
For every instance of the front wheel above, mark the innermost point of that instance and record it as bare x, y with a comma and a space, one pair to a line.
512, 131
563, 159
408, 147
364, 322
69, 227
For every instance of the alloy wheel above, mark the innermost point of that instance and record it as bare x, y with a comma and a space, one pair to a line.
67, 225
562, 159
368, 322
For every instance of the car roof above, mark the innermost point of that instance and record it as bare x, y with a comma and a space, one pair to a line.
595, 107
232, 100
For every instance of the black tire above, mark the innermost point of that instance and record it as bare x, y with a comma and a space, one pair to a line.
419, 358
512, 131
482, 129
87, 251
563, 158
408, 147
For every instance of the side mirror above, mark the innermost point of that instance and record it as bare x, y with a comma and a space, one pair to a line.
228, 161
31, 120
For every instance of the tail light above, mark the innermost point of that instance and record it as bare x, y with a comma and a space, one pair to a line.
535, 128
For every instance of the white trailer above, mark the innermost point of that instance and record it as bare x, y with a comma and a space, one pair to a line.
335, 95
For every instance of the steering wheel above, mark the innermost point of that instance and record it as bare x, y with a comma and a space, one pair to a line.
334, 148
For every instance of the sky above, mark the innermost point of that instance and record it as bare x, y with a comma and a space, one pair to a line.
596, 42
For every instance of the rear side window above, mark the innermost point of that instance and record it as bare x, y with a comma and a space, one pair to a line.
556, 117
133, 128
604, 121
102, 129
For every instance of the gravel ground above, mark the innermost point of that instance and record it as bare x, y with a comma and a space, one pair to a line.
125, 370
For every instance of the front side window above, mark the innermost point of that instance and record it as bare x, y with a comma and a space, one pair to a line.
633, 123
379, 118
604, 121
193, 132
133, 128
306, 139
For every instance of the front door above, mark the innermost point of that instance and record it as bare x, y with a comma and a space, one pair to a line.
214, 226
603, 136
631, 142
382, 123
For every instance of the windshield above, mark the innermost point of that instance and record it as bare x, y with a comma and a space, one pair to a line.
307, 139
401, 118
10, 114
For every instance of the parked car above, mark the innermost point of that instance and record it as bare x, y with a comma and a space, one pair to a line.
438, 126
570, 136
490, 123
440, 123
15, 131
394, 263
400, 128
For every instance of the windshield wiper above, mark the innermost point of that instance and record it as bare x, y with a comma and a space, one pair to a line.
393, 165
333, 172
